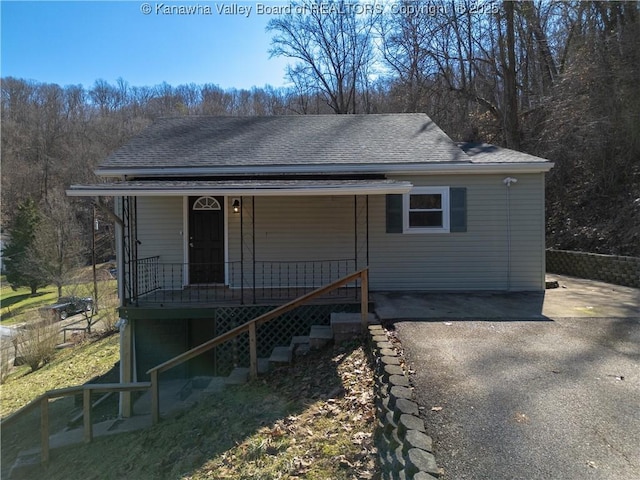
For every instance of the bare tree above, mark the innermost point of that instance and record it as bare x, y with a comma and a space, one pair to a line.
405, 38
36, 343
57, 249
332, 45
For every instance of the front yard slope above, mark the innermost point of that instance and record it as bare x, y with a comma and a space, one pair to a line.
313, 420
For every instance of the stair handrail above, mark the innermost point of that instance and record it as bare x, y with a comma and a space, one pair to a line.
250, 326
86, 390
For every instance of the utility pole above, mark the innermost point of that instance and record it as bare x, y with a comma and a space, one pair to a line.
94, 227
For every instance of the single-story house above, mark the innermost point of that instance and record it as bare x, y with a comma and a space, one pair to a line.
247, 211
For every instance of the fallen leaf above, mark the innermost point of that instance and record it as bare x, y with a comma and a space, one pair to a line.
520, 417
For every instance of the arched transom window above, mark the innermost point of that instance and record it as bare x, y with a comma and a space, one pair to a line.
206, 203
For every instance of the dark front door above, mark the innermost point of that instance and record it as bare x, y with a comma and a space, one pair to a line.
206, 240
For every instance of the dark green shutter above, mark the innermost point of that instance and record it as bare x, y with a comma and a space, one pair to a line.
394, 213
458, 210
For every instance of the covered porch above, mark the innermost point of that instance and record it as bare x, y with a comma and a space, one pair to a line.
240, 242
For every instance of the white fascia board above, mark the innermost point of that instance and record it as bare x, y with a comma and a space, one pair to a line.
399, 188
409, 168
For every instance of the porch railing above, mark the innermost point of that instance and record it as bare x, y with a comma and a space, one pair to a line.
154, 282
148, 275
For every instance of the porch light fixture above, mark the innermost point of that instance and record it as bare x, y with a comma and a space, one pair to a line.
236, 205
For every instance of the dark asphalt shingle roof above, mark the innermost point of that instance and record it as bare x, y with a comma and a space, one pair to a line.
203, 141
250, 143
487, 153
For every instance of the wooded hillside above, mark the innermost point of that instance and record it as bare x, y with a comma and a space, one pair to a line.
555, 79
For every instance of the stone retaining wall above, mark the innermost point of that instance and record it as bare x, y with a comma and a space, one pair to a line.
607, 268
405, 450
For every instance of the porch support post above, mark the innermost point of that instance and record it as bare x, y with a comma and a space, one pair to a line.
126, 365
120, 232
355, 231
253, 352
364, 298
155, 398
367, 230
86, 412
44, 428
241, 251
253, 245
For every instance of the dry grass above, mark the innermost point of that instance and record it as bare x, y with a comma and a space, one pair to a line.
314, 420
69, 367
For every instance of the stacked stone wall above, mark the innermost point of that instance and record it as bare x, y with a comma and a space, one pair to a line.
405, 449
607, 268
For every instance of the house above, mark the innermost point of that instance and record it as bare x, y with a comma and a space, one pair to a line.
220, 215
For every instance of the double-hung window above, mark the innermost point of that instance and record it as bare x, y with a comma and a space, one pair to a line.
426, 210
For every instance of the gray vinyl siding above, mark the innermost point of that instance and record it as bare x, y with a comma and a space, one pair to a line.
160, 233
290, 231
303, 229
473, 260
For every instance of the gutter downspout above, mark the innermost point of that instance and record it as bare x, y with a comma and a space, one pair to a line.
508, 182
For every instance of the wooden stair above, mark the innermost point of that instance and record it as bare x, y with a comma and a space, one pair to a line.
342, 327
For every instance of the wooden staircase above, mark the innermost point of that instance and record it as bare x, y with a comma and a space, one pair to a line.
342, 327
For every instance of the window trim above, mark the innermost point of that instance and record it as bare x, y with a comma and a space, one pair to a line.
206, 202
446, 210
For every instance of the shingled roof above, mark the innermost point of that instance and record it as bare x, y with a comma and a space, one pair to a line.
485, 153
291, 143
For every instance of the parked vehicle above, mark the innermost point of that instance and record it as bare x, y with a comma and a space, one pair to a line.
66, 306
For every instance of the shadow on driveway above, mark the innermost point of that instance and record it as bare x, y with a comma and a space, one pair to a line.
554, 398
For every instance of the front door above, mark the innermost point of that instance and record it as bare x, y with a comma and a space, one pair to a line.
206, 240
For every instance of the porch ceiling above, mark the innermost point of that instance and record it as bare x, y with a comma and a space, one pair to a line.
258, 188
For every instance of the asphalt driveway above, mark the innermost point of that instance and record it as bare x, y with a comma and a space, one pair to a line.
547, 397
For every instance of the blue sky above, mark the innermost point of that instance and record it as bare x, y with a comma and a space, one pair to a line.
78, 42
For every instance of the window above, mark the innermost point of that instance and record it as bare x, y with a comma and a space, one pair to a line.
426, 210
206, 203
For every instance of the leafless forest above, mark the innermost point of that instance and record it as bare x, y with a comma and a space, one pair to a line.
560, 80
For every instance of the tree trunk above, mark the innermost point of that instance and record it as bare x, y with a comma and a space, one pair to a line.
511, 127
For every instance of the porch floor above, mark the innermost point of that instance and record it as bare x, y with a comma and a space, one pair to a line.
218, 296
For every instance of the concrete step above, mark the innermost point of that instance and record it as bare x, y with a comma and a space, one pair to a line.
186, 391
238, 376
215, 385
263, 365
27, 465
281, 355
302, 350
172, 397
300, 345
346, 326
201, 382
300, 340
29, 461
319, 336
